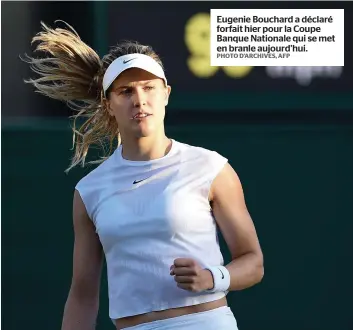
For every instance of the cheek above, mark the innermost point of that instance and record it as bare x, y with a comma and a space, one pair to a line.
159, 103
119, 107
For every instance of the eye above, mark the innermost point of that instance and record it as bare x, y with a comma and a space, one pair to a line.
126, 91
149, 88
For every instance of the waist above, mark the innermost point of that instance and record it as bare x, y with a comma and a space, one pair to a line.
131, 321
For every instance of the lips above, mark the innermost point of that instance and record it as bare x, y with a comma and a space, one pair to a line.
140, 115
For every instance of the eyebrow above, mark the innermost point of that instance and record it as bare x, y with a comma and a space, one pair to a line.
143, 84
122, 87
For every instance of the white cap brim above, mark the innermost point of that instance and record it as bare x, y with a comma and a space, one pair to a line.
129, 61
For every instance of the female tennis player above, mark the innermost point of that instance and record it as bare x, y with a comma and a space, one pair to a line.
151, 207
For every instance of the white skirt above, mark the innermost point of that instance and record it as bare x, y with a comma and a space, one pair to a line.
221, 318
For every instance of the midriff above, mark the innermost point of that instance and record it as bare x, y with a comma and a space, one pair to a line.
131, 321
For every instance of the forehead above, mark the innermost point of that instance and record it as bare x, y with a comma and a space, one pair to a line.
135, 76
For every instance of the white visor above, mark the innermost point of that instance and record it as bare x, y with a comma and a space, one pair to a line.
129, 61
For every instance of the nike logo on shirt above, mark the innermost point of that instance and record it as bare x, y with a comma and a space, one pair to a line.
137, 181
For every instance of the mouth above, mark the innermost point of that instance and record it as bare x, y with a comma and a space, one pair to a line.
141, 115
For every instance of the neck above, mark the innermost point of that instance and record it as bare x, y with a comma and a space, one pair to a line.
146, 148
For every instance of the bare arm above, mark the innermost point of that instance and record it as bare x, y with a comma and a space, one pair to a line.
238, 230
81, 308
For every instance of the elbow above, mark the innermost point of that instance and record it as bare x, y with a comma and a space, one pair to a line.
259, 269
260, 272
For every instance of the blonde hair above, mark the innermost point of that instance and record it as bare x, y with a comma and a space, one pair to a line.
74, 74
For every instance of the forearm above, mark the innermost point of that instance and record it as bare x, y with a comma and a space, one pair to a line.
245, 271
80, 314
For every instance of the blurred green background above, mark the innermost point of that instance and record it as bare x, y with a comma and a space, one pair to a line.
288, 133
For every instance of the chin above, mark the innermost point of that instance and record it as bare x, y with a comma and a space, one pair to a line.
144, 132
145, 129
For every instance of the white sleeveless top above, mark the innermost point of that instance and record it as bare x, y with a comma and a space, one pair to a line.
147, 214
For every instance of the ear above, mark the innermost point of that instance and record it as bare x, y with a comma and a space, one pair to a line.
106, 103
168, 90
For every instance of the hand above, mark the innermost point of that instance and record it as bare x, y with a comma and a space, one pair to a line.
190, 276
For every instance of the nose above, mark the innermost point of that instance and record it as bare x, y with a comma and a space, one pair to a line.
138, 98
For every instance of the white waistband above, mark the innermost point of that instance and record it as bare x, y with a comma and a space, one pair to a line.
221, 318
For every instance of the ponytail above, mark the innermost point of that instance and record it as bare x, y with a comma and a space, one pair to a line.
73, 74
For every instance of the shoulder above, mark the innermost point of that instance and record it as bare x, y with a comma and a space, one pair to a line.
97, 173
215, 168
205, 154
226, 185
90, 186
202, 157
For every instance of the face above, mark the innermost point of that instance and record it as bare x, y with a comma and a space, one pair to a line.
137, 101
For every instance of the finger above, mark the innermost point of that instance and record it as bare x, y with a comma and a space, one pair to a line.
187, 287
184, 262
184, 279
185, 271
172, 267
184, 286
